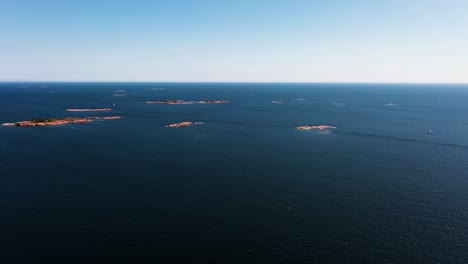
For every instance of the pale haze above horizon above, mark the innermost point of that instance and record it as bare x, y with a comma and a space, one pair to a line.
421, 41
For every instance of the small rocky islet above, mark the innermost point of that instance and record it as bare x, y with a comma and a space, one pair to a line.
170, 102
181, 102
184, 124
88, 109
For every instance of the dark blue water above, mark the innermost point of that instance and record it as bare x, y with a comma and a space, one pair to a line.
245, 187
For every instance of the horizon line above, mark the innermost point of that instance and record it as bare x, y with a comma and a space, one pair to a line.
233, 82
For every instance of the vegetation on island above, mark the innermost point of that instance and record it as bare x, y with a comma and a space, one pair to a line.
49, 120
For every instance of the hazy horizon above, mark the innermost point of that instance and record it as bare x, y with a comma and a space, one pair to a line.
234, 82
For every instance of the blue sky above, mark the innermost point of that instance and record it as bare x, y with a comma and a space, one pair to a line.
245, 41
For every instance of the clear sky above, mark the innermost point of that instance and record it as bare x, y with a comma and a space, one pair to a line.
241, 40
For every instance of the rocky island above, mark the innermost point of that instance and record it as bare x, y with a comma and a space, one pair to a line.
171, 102
319, 127
88, 109
184, 124
59, 121
179, 102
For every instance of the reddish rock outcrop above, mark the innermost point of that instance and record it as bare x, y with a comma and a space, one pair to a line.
59, 121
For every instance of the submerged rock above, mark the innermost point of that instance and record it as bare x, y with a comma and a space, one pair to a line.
213, 102
88, 109
319, 127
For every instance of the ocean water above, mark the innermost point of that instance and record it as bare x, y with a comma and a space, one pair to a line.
246, 186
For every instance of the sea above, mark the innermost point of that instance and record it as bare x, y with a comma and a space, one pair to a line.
388, 184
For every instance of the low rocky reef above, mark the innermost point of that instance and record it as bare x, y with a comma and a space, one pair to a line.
339, 104
179, 102
88, 109
212, 102
184, 124
59, 121
170, 102
319, 127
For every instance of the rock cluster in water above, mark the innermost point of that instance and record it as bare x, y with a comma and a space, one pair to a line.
59, 121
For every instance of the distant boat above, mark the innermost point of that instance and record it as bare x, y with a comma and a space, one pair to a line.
114, 104
429, 131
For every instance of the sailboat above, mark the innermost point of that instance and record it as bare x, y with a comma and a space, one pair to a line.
114, 104
429, 131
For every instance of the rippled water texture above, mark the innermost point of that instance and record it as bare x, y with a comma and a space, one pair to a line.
244, 186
